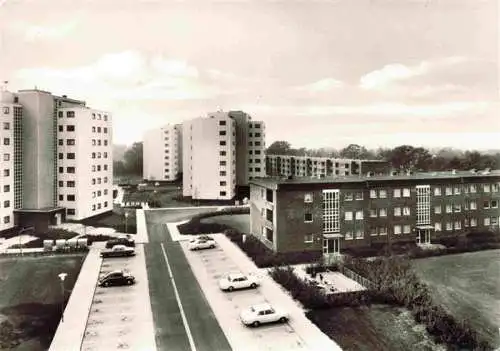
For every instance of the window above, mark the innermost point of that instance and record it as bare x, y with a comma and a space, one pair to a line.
6, 188
308, 238
70, 197
6, 219
93, 129
486, 204
308, 198
308, 217
486, 188
494, 204
222, 123
373, 231
60, 142
494, 188
257, 143
98, 129
437, 191
348, 235
61, 128
359, 195
105, 143
397, 229
105, 155
70, 142
93, 116
373, 194
6, 125
93, 155
473, 205
473, 222
457, 208
382, 193
348, 216
222, 163
222, 132
70, 155
222, 153
449, 191
359, 234
61, 197
383, 212
70, 114
382, 230
494, 221
466, 222
406, 211
70, 183
348, 197
105, 204
456, 190
222, 173
70, 211
473, 188
70, 128
105, 167
223, 183
458, 225
406, 192
93, 142
397, 211
60, 156
448, 208
487, 221
396, 193
105, 117
437, 226
222, 193
222, 143
449, 226
105, 179
61, 183
6, 172
6, 157
6, 204
6, 141
359, 215
437, 209
61, 169
6, 110
406, 229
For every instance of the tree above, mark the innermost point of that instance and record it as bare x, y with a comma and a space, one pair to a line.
408, 158
279, 147
119, 168
133, 159
355, 151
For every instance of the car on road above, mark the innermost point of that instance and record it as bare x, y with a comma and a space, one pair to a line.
127, 241
235, 281
118, 251
201, 242
117, 278
261, 314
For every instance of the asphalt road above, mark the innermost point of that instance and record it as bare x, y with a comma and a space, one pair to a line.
170, 332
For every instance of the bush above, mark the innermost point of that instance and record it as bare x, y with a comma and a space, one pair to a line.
320, 268
97, 238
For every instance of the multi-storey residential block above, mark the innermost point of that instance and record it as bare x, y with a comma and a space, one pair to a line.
60, 159
336, 213
209, 157
162, 153
308, 166
10, 141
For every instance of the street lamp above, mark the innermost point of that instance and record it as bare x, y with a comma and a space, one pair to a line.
62, 276
126, 217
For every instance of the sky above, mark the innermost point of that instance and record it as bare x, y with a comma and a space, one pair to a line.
319, 73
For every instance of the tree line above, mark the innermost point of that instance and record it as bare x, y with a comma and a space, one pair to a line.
404, 157
131, 163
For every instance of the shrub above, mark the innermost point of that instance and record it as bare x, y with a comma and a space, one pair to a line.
319, 267
96, 238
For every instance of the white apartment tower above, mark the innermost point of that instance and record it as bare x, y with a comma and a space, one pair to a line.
56, 160
85, 162
162, 153
209, 157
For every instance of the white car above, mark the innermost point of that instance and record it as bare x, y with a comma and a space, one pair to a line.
260, 314
201, 242
234, 281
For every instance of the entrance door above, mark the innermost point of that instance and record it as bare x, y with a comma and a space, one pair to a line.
424, 236
331, 246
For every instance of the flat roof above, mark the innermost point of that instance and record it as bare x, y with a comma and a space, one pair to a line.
273, 181
325, 158
40, 210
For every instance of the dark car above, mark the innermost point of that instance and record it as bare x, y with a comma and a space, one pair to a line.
120, 241
117, 278
118, 251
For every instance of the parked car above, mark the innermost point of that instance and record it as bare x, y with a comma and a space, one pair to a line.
234, 281
118, 251
202, 243
120, 241
117, 278
261, 314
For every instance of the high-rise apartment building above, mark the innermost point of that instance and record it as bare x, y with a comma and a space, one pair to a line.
61, 152
209, 157
162, 153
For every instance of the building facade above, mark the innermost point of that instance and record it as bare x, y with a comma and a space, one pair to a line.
309, 166
50, 168
162, 153
333, 214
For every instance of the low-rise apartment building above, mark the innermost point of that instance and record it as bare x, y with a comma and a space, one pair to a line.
311, 166
335, 213
162, 153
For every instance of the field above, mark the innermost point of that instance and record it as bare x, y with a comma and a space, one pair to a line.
468, 286
30, 299
240, 222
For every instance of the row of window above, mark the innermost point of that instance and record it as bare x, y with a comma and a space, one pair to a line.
255, 143
255, 125
256, 152
72, 183
72, 211
98, 142
71, 128
97, 168
256, 169
104, 117
72, 170
256, 135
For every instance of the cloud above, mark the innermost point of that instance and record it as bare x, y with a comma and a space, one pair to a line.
38, 32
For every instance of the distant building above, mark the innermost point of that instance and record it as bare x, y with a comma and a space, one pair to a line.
62, 159
162, 153
310, 166
340, 212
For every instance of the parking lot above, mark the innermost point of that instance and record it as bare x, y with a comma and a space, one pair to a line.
209, 266
120, 316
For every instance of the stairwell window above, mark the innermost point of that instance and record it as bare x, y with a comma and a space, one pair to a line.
308, 217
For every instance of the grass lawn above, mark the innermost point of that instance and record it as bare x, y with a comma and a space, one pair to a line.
375, 328
467, 285
30, 299
240, 222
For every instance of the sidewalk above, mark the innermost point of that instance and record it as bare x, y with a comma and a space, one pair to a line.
69, 334
141, 237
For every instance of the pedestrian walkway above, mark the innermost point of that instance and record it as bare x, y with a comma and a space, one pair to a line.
70, 332
336, 280
141, 236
